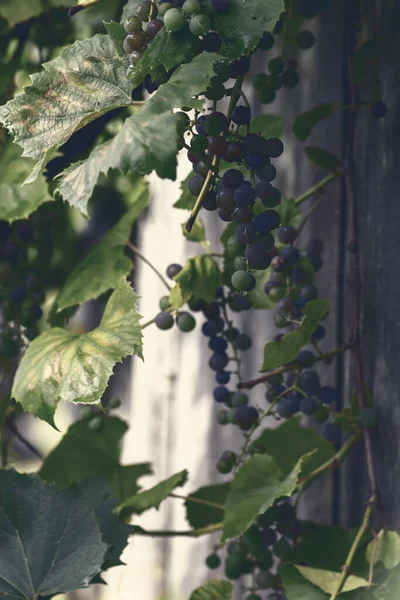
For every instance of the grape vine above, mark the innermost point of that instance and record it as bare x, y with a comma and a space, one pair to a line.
173, 77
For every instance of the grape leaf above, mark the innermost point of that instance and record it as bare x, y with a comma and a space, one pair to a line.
84, 453
97, 494
148, 139
61, 365
106, 263
268, 126
290, 441
18, 11
18, 202
257, 484
186, 199
297, 587
306, 121
51, 540
199, 279
152, 498
216, 589
277, 354
328, 581
387, 550
243, 24
201, 515
323, 159
85, 82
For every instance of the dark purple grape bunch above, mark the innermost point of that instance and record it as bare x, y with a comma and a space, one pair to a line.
265, 543
21, 288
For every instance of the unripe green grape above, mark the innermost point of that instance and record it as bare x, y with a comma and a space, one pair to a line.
276, 293
164, 320
133, 24
240, 263
238, 548
191, 7
174, 20
185, 322
223, 417
233, 247
199, 143
241, 281
239, 399
163, 8
96, 424
233, 567
199, 25
216, 91
305, 39
164, 303
114, 403
213, 561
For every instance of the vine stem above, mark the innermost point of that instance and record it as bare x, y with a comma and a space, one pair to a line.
197, 501
330, 464
216, 160
152, 267
234, 350
354, 547
316, 188
291, 367
190, 533
87, 4
285, 26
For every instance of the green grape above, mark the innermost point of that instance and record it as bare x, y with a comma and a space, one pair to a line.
240, 263
191, 7
174, 20
96, 424
276, 65
183, 122
164, 303
199, 25
238, 548
233, 247
241, 280
114, 403
199, 143
276, 293
186, 322
239, 399
233, 567
213, 561
144, 9
223, 417
264, 579
132, 25
164, 7
216, 91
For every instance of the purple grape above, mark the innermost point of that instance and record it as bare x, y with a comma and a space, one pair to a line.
241, 115
232, 179
257, 256
196, 185
287, 234
221, 394
318, 334
234, 152
290, 255
314, 247
332, 432
173, 270
308, 406
266, 173
244, 195
242, 214
273, 147
267, 221
309, 382
254, 161
222, 377
246, 233
218, 362
218, 344
328, 394
246, 417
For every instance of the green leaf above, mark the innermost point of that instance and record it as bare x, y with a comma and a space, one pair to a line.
18, 202
216, 589
277, 354
85, 82
21, 10
297, 587
387, 550
169, 50
254, 489
327, 547
98, 495
290, 212
306, 121
389, 589
152, 498
197, 234
328, 581
365, 58
105, 265
50, 539
323, 159
61, 365
83, 453
199, 279
242, 25
290, 441
258, 297
186, 199
268, 126
148, 139
201, 515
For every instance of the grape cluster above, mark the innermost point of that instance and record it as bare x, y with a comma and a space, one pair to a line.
260, 549
174, 16
21, 287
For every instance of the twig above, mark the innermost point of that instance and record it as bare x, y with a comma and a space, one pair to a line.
291, 367
354, 547
148, 323
230, 338
156, 271
189, 533
316, 188
198, 501
18, 435
87, 4
330, 464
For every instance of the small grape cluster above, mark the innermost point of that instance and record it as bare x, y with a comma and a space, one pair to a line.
21, 292
174, 16
259, 551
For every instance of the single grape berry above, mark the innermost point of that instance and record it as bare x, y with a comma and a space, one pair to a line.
308, 406
267, 41
164, 320
318, 334
211, 42
144, 9
309, 382
379, 109
173, 270
154, 26
243, 341
222, 377
287, 234
196, 184
328, 394
174, 20
276, 65
164, 7
234, 247
290, 255
241, 115
267, 221
134, 41
332, 432
216, 123
186, 322
257, 256
305, 39
239, 399
273, 147
246, 417
221, 394
199, 25
218, 362
232, 179
213, 561
223, 417
246, 233
191, 7
282, 549
133, 24
241, 280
